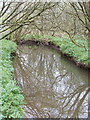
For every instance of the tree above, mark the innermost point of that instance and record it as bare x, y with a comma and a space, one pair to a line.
14, 16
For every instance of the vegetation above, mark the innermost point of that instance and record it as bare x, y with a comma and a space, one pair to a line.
20, 20
51, 19
10, 99
80, 54
78, 51
48, 18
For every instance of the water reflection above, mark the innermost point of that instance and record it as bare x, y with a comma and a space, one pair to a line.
53, 87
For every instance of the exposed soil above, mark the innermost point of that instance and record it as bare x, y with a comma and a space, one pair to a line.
53, 46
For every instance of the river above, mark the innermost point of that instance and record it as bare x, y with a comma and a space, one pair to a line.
53, 87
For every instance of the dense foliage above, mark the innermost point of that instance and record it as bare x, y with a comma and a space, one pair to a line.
10, 97
78, 51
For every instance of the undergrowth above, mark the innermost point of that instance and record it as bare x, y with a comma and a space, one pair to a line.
78, 51
10, 97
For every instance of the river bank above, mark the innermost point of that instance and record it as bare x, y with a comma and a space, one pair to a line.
11, 98
78, 53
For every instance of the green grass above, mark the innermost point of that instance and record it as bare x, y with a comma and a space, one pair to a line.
79, 53
10, 97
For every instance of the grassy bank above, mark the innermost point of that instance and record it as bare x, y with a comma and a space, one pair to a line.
10, 97
78, 49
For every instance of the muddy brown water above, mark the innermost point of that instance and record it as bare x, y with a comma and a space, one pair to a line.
53, 87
